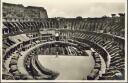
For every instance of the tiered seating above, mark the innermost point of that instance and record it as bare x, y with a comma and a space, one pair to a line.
32, 68
7, 43
102, 25
97, 67
13, 68
111, 46
13, 53
105, 35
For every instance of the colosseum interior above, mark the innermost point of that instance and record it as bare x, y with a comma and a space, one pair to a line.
36, 47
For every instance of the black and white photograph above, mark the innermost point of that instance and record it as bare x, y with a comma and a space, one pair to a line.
63, 41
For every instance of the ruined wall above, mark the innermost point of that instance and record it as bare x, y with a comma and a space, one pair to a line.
19, 11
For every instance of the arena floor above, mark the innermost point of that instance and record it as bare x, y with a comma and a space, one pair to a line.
69, 67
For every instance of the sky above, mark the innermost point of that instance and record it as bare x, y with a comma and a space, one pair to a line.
74, 8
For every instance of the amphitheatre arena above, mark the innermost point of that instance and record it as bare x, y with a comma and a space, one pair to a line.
36, 47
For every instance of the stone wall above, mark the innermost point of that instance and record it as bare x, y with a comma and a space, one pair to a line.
19, 11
